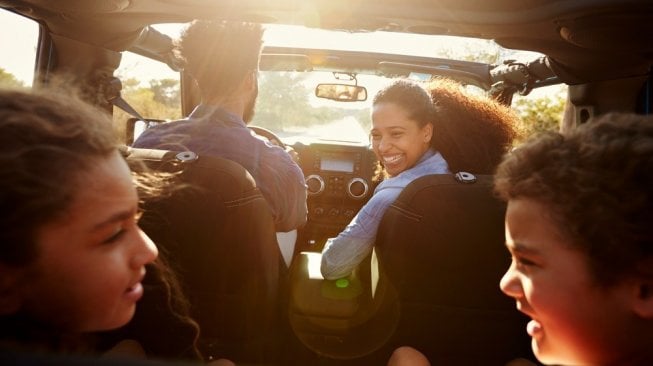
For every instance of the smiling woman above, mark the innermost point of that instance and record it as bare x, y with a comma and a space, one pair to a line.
401, 136
417, 133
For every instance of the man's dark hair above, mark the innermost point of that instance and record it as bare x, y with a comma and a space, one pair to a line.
219, 54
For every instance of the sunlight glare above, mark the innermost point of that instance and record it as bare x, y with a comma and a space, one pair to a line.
381, 41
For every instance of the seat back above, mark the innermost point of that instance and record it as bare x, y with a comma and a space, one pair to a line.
441, 246
218, 234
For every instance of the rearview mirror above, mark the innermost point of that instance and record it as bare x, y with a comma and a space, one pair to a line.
341, 92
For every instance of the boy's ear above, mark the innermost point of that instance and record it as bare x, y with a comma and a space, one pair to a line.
643, 298
10, 294
250, 80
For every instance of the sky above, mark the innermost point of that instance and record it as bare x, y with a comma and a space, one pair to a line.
18, 38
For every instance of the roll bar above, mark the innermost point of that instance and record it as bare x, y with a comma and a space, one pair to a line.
519, 77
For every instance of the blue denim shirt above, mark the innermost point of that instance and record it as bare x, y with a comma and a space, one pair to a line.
212, 131
343, 253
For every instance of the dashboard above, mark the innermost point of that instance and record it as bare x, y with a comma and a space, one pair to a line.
339, 177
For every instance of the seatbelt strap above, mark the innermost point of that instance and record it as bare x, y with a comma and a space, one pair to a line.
114, 86
122, 104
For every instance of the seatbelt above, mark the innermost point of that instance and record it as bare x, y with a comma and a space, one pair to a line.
113, 89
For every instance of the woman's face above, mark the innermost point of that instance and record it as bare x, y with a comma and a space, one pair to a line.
398, 141
574, 319
90, 262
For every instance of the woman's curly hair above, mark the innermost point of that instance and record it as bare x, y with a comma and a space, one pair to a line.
471, 131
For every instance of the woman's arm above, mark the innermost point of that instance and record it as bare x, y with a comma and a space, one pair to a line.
343, 253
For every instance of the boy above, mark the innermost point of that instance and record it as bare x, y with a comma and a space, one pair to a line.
579, 227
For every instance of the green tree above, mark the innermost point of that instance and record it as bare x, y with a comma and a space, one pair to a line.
282, 101
166, 92
8, 79
539, 113
130, 84
480, 55
160, 100
543, 113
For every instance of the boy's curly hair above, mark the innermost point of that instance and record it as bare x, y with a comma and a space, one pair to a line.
597, 182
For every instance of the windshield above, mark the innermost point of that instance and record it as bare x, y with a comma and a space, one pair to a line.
287, 105
286, 102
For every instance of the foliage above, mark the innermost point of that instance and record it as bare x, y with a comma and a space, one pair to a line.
284, 103
541, 113
166, 92
538, 112
8, 79
469, 52
159, 100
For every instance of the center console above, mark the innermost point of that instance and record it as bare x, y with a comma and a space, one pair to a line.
339, 180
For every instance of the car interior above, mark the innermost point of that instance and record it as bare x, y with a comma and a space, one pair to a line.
432, 279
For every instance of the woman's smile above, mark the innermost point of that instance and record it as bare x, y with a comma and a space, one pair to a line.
397, 140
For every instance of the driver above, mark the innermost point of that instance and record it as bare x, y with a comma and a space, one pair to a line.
223, 58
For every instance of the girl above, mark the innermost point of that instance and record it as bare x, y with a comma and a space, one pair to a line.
72, 257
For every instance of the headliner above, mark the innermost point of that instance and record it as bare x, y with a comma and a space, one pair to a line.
589, 39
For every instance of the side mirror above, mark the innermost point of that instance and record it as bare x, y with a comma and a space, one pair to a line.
341, 92
136, 126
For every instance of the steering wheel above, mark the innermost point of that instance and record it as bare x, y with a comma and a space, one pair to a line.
268, 135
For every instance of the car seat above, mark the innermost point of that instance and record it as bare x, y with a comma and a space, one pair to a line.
440, 246
217, 232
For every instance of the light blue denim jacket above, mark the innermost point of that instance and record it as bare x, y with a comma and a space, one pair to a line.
344, 252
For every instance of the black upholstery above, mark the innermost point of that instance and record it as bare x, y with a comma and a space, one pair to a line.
441, 247
218, 234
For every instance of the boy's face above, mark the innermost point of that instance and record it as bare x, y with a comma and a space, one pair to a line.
574, 320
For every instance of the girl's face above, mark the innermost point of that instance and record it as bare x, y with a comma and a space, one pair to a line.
90, 263
574, 319
397, 140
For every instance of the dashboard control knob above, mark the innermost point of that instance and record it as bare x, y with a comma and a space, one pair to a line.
357, 188
315, 184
